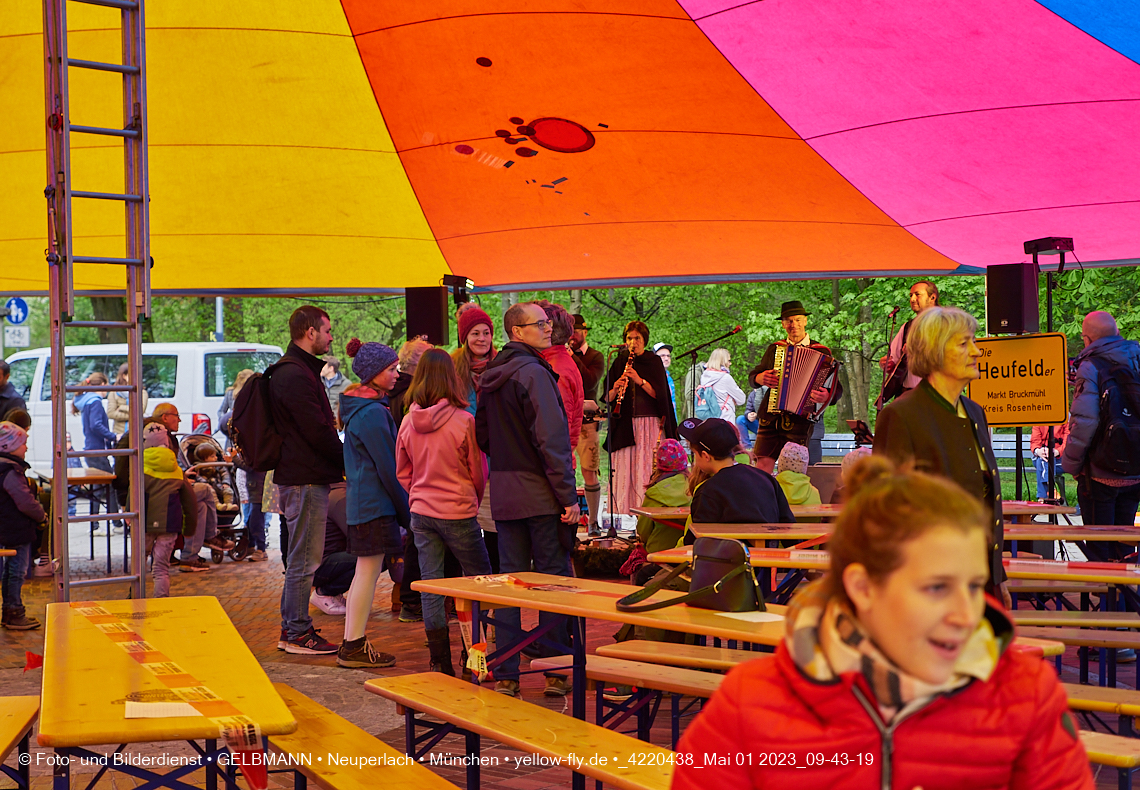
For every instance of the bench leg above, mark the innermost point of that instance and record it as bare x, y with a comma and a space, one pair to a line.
300, 781
24, 768
1124, 778
61, 771
472, 741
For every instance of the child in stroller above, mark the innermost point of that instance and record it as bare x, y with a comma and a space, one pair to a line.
211, 466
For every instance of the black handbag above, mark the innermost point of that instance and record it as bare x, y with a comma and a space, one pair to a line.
722, 579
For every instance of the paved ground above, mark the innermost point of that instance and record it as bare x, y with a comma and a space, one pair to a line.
250, 593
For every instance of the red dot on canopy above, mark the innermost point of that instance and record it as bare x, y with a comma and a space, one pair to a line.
558, 134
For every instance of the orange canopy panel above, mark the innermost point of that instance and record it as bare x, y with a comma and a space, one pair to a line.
374, 145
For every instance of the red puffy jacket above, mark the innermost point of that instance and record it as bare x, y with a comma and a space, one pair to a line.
769, 726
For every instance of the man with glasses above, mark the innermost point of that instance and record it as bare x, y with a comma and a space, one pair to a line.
521, 425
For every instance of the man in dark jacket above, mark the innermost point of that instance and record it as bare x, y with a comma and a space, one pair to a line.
521, 425
9, 398
1104, 497
312, 459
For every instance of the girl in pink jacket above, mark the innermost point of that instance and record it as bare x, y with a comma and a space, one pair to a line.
440, 466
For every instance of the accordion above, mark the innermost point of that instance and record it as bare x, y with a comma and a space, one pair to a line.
800, 370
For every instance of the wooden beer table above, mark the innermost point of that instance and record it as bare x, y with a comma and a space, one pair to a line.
177, 661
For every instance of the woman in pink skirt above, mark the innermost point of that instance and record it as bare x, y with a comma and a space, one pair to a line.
641, 416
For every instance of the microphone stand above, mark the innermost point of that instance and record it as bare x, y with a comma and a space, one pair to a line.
692, 354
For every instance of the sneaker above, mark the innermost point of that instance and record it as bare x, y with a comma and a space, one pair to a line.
1126, 656
617, 693
557, 687
257, 555
310, 644
219, 543
283, 640
360, 653
100, 532
410, 614
594, 531
193, 565
329, 604
508, 687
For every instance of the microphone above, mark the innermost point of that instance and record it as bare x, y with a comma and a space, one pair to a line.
894, 312
734, 331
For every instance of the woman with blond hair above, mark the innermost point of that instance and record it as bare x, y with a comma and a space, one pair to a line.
936, 427
119, 403
718, 388
895, 665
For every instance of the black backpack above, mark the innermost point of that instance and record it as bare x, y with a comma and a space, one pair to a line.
251, 427
1116, 445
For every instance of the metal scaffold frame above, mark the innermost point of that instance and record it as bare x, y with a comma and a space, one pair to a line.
62, 260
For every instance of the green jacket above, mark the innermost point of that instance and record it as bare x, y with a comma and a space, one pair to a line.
669, 492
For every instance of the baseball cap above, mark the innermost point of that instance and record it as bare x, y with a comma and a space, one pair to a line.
658, 346
715, 436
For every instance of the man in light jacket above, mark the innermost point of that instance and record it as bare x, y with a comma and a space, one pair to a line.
1104, 497
521, 425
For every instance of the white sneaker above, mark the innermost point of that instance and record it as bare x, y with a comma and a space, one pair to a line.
329, 604
101, 532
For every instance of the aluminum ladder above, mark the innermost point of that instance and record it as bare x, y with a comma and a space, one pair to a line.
62, 259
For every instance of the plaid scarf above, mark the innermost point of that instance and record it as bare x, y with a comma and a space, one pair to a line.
827, 641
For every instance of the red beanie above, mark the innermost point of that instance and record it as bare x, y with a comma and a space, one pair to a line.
470, 316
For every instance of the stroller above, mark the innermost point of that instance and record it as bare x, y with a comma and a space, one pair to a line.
222, 477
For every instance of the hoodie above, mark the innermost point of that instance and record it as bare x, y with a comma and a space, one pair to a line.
521, 426
1084, 417
438, 462
97, 434
798, 488
370, 463
728, 394
170, 503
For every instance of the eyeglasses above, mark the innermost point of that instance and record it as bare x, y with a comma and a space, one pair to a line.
543, 324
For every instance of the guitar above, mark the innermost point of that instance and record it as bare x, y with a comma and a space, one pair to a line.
894, 381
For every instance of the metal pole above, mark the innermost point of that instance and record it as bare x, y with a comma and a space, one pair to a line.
219, 319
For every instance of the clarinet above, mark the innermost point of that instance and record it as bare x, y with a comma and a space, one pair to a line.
623, 380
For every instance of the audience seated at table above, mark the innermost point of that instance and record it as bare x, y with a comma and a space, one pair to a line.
667, 488
839, 495
894, 661
724, 491
792, 475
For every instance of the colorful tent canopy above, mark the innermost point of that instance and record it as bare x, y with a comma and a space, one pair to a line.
368, 145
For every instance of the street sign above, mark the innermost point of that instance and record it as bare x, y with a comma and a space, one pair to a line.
1023, 380
17, 336
17, 310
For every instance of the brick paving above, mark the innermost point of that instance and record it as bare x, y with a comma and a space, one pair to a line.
250, 594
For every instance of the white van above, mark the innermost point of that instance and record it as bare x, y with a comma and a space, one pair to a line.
192, 376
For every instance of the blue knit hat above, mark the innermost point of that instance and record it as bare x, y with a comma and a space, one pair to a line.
368, 359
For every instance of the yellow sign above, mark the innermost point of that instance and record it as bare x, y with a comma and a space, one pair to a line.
1023, 379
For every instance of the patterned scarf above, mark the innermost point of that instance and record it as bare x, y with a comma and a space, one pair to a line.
478, 365
826, 640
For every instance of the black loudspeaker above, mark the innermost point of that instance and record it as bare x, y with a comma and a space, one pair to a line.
427, 313
1011, 299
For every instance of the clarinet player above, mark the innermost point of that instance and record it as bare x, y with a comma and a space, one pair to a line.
643, 415
775, 429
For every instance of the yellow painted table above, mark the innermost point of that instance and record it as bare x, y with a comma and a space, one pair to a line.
102, 658
17, 717
801, 559
759, 532
1072, 532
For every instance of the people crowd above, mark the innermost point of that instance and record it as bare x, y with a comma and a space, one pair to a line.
465, 463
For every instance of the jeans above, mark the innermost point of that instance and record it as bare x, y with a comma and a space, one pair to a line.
521, 541
1105, 505
162, 545
1042, 468
207, 520
433, 536
747, 429
334, 576
306, 509
254, 519
12, 571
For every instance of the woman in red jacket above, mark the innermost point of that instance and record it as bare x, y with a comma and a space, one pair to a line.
896, 670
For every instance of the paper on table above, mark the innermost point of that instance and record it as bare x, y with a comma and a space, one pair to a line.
159, 710
753, 617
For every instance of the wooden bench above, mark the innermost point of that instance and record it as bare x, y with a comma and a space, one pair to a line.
321, 732
17, 717
1086, 638
1121, 753
1034, 617
679, 655
586, 749
1043, 590
650, 680
1125, 703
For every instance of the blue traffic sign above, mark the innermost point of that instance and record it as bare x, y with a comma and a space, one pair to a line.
17, 310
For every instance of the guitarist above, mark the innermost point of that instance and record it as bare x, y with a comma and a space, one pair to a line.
897, 379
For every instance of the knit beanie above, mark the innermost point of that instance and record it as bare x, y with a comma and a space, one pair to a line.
12, 437
793, 458
368, 359
671, 457
470, 316
850, 459
155, 435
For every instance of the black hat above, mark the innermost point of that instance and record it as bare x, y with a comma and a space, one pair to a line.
579, 322
789, 309
715, 436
